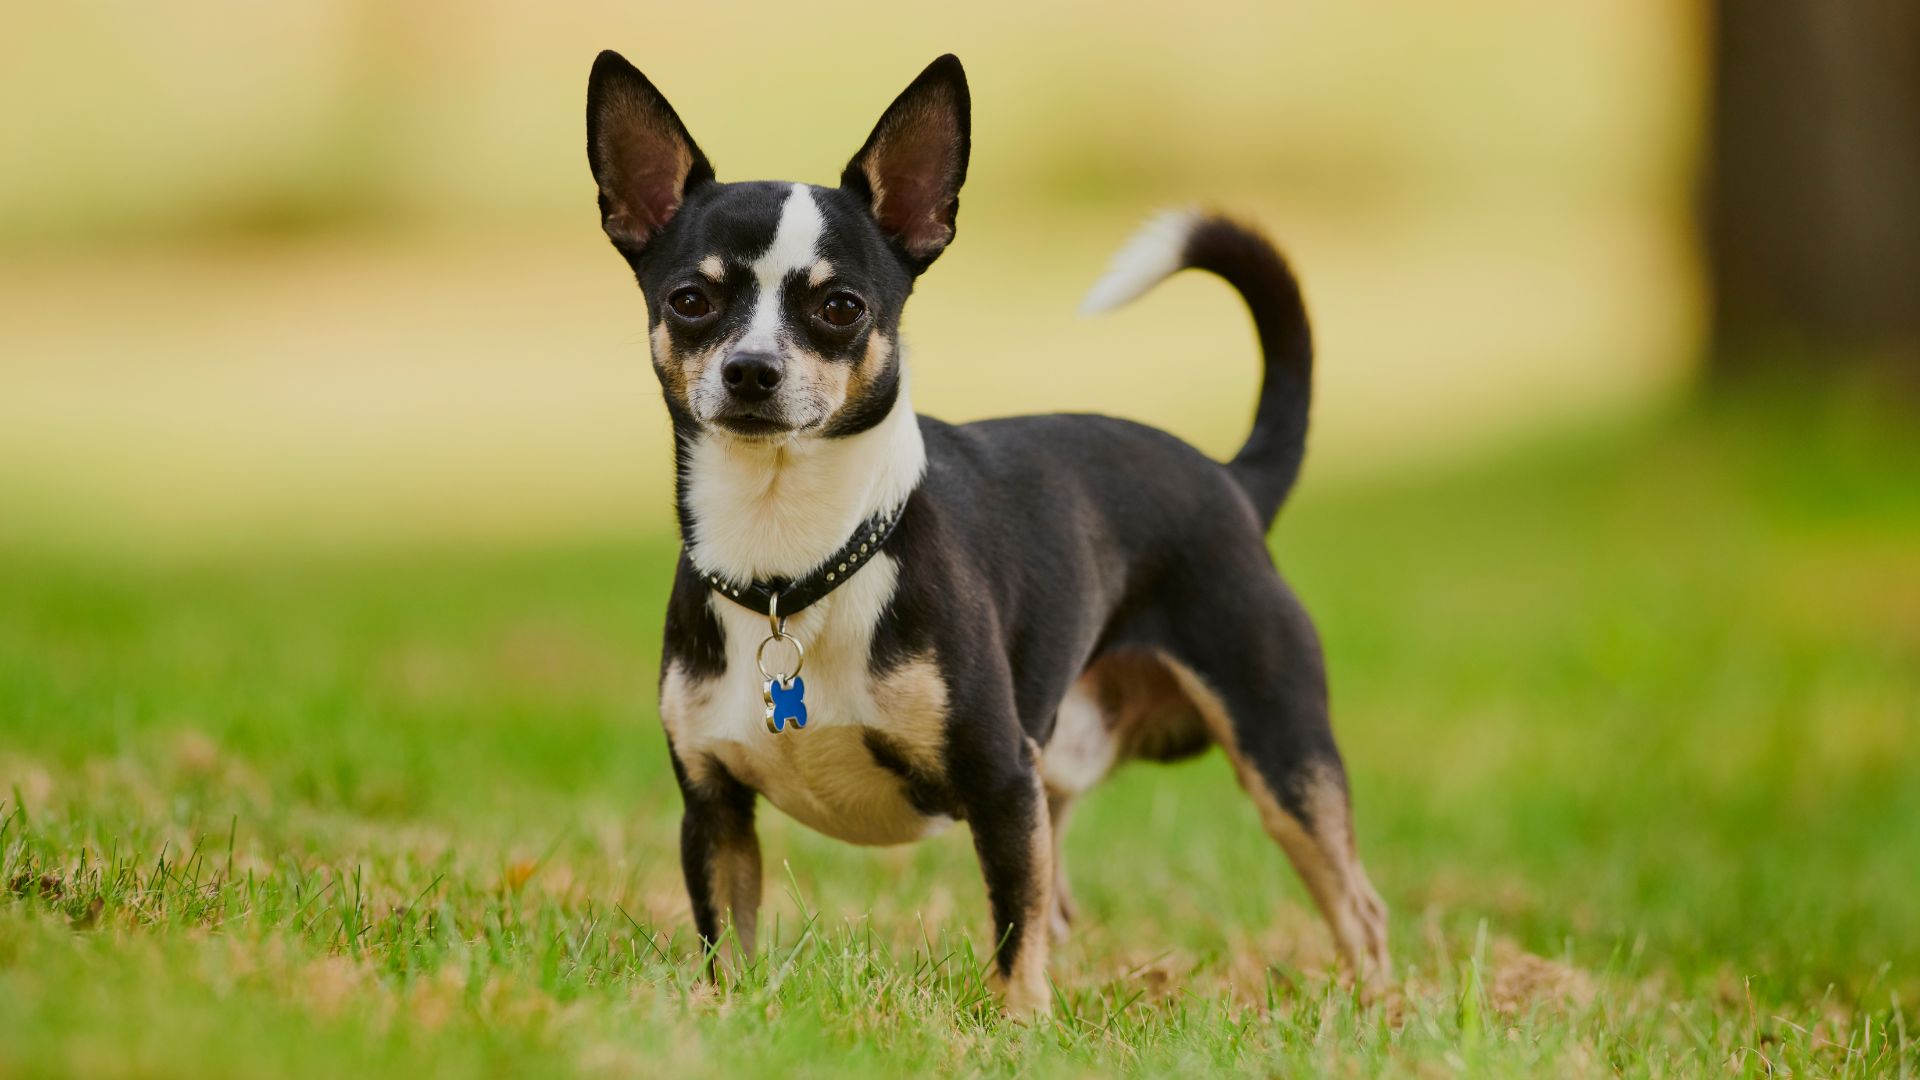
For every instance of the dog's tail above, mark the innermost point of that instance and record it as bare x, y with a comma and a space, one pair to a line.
1187, 239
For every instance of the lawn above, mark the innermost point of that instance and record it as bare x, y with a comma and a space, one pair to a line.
1630, 717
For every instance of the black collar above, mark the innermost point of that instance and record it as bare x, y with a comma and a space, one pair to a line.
794, 596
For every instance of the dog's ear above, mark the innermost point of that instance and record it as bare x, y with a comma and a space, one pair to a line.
642, 157
910, 171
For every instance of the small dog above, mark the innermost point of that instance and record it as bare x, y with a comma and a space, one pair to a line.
990, 616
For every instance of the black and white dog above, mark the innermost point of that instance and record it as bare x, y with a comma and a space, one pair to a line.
882, 622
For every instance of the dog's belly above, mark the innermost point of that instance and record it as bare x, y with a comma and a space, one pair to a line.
825, 775
827, 779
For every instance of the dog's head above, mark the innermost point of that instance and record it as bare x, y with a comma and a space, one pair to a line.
774, 308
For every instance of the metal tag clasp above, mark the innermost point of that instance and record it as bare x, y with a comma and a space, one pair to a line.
784, 691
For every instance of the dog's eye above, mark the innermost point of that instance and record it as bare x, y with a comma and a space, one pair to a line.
842, 309
689, 303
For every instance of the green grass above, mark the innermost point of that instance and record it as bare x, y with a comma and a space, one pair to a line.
1630, 721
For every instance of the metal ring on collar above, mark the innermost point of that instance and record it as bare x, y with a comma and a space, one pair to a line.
799, 657
774, 620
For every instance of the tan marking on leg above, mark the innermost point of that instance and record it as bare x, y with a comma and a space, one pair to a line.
1323, 855
1025, 991
733, 879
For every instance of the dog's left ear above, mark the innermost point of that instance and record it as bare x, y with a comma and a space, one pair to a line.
910, 171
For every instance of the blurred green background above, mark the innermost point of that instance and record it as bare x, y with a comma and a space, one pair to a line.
329, 270
335, 529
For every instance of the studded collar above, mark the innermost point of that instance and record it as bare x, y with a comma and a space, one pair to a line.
782, 597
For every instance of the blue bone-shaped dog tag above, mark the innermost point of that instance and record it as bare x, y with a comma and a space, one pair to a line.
786, 702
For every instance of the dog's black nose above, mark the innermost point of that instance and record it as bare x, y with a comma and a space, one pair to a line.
752, 376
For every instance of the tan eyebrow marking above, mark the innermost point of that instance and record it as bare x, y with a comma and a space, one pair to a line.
712, 268
821, 271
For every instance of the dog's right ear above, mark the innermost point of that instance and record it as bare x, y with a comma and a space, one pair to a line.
642, 157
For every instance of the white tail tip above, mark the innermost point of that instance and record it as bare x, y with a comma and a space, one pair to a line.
1153, 253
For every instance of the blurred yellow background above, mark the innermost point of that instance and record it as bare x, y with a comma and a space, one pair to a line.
330, 271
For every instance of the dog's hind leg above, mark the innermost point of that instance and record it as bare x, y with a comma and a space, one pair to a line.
1250, 662
1079, 752
1059, 806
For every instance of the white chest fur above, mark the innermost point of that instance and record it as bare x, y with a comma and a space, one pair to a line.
761, 512
777, 509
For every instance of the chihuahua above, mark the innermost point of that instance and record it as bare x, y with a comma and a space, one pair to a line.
884, 623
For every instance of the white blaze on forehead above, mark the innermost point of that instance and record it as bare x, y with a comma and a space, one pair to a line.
796, 240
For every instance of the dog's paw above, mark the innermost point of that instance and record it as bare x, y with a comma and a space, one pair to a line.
1024, 1000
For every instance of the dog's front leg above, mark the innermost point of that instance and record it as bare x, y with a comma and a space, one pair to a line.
720, 856
1008, 816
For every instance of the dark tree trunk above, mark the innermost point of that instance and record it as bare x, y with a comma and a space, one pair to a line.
1812, 210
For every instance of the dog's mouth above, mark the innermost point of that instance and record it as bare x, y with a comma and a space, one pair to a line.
749, 424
